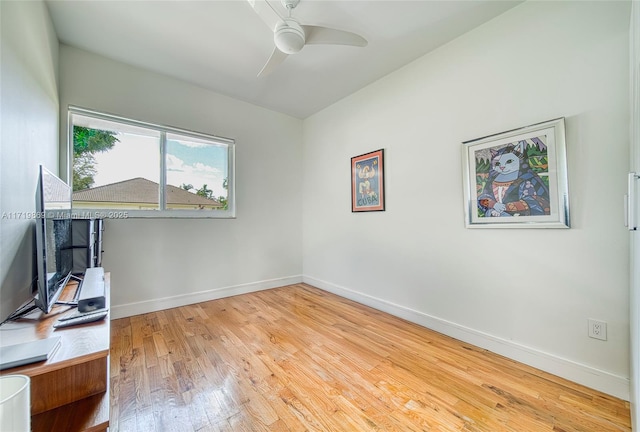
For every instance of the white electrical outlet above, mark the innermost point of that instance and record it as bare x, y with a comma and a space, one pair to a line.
597, 329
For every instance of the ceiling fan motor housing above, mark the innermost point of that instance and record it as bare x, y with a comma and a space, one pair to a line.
289, 36
290, 4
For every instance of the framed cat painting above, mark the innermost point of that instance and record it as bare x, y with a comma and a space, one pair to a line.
518, 178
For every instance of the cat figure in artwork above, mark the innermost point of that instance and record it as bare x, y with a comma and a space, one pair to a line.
513, 188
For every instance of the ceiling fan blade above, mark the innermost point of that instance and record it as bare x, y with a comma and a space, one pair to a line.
266, 12
325, 35
276, 58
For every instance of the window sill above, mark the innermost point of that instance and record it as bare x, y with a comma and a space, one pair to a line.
151, 214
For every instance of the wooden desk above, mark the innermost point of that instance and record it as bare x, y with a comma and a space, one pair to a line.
70, 391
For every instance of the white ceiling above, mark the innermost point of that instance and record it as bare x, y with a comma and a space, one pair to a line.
222, 45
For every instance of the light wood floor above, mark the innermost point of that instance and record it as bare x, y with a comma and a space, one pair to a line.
300, 359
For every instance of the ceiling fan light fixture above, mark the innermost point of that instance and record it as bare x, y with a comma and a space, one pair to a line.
289, 37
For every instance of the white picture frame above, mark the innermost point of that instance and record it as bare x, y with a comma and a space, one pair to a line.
533, 194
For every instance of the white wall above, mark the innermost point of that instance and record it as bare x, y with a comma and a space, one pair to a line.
29, 137
159, 263
524, 293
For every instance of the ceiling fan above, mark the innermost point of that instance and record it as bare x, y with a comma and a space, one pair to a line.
290, 36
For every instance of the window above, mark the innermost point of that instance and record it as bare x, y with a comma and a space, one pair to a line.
126, 168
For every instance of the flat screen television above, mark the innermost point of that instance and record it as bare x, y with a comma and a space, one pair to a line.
54, 252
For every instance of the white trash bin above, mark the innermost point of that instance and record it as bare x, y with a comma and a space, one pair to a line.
15, 403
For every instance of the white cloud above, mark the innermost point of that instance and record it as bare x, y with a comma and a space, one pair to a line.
206, 168
175, 163
197, 175
191, 144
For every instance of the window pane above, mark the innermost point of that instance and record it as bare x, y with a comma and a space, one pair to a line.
149, 170
197, 173
115, 166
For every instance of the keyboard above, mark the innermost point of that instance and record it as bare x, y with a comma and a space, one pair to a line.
82, 318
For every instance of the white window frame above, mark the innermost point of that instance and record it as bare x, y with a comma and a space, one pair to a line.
102, 213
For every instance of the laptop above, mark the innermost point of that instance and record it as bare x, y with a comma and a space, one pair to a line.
28, 352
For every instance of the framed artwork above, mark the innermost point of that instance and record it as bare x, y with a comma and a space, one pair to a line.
517, 179
367, 182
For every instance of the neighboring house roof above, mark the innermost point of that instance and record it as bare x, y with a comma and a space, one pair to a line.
140, 190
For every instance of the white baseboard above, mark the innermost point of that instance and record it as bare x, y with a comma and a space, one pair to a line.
137, 308
603, 381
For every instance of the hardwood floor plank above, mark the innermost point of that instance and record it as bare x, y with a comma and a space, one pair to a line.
145, 418
300, 359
